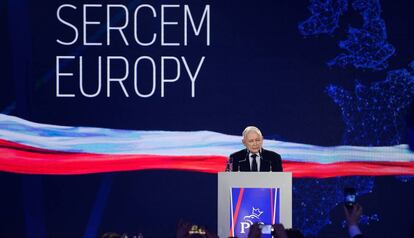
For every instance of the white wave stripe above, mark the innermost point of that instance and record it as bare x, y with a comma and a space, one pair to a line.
112, 141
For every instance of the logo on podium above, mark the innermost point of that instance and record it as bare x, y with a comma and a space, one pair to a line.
253, 205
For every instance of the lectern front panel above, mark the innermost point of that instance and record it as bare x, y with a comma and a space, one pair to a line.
245, 198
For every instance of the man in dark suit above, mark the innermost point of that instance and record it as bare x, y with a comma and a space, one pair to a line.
254, 158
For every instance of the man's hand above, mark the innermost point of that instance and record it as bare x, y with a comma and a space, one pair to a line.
352, 215
255, 231
279, 231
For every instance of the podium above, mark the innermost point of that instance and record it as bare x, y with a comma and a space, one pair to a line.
245, 198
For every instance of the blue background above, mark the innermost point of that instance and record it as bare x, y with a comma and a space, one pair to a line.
260, 69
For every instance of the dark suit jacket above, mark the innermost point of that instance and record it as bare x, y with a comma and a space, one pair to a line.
268, 159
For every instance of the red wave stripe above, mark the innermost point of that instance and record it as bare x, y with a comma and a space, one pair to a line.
18, 158
374, 168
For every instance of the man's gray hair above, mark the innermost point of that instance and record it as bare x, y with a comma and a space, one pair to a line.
249, 129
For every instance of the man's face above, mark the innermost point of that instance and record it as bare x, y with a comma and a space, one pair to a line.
253, 142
